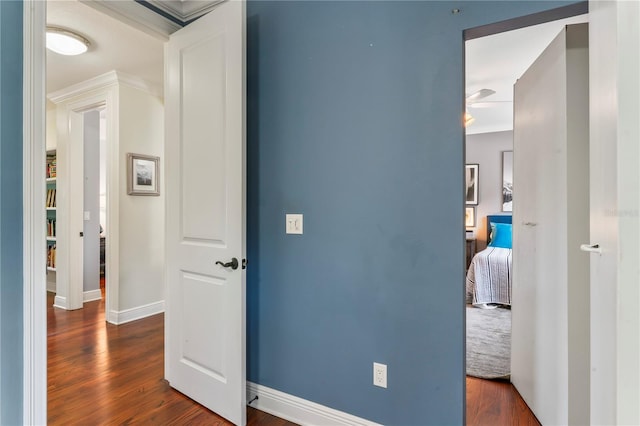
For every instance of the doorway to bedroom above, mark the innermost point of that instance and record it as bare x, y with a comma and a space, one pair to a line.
493, 65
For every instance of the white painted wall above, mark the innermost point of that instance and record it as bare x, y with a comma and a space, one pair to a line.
486, 150
141, 217
614, 38
550, 314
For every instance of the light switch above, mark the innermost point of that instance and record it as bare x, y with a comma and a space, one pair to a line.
87, 215
294, 224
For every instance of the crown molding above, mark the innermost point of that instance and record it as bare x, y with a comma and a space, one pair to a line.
137, 15
185, 10
102, 81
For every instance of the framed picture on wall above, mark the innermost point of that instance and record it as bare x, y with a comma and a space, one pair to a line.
507, 181
472, 183
469, 217
143, 174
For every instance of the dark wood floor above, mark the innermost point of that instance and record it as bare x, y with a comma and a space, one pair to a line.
104, 374
493, 402
101, 374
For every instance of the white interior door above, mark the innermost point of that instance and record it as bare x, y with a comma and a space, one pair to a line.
550, 314
205, 211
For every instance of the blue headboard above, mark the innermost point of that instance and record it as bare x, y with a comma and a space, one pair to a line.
496, 218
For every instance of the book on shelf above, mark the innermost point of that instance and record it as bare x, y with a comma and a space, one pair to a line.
51, 198
51, 166
51, 256
51, 227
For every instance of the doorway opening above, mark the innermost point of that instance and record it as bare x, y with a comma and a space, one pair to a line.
94, 205
494, 61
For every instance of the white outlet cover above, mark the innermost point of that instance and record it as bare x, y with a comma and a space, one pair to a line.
380, 375
293, 224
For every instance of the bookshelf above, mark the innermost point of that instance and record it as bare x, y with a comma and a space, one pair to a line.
50, 205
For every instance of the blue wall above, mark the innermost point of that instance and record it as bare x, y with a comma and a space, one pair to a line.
354, 112
11, 212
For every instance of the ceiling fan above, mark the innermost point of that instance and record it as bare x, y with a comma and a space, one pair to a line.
472, 102
477, 95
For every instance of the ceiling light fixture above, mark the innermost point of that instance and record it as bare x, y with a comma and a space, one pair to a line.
66, 42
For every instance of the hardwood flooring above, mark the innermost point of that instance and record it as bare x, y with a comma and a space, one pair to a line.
101, 374
492, 402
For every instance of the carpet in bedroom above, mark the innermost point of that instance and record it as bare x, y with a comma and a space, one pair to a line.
489, 343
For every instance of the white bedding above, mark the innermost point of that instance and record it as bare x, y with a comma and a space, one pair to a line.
489, 277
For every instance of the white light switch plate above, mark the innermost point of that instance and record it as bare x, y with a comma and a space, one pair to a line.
87, 215
293, 224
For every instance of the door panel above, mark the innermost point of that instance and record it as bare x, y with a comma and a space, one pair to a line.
203, 140
205, 195
204, 314
550, 313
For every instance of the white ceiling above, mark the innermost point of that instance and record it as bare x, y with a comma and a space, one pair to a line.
495, 62
114, 46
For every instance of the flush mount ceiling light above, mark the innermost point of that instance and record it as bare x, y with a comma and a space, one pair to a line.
66, 42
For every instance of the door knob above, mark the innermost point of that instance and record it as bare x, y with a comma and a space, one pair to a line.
233, 264
591, 248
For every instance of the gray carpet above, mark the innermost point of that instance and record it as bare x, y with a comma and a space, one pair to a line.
489, 343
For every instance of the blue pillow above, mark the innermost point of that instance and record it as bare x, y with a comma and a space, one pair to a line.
501, 235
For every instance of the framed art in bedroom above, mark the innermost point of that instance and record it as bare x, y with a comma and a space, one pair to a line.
507, 181
472, 184
469, 217
143, 174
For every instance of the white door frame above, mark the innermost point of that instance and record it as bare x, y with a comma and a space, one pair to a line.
614, 55
71, 104
34, 243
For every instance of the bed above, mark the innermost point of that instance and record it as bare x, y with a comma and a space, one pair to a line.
488, 281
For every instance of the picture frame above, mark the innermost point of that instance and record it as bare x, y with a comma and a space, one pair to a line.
507, 181
472, 183
143, 174
469, 217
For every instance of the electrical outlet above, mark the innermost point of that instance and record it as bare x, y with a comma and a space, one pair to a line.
379, 375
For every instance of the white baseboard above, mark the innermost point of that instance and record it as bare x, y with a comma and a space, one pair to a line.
299, 410
51, 286
91, 295
60, 302
128, 315
87, 296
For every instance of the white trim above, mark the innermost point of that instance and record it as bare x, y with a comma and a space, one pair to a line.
104, 81
34, 405
60, 302
137, 16
186, 10
91, 295
299, 410
96, 92
139, 312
